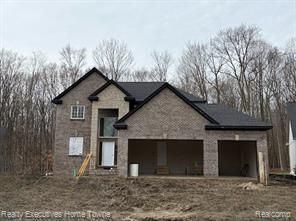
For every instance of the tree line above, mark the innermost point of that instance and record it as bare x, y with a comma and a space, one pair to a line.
237, 67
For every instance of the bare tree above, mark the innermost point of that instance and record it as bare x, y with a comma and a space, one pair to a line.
289, 69
215, 64
141, 75
72, 63
235, 46
162, 62
237, 68
11, 85
192, 69
114, 58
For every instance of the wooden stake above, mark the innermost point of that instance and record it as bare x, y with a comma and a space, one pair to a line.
262, 169
84, 165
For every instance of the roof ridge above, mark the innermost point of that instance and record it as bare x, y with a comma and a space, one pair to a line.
57, 99
176, 92
142, 82
104, 86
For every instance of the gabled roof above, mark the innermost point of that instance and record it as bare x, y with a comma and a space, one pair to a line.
94, 97
141, 90
119, 124
57, 99
291, 107
220, 116
231, 119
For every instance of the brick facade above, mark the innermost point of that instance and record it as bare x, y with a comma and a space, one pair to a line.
110, 98
166, 116
65, 127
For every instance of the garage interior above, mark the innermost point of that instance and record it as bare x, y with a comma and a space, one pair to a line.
237, 158
166, 157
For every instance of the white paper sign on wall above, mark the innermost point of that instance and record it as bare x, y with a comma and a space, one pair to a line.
75, 146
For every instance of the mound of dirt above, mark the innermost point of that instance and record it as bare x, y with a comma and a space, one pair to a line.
147, 199
251, 186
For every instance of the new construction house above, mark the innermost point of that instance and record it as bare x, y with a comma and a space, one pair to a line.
157, 126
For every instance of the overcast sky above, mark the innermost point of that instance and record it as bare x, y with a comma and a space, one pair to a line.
47, 26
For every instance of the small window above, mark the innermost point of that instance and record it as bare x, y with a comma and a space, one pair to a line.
77, 112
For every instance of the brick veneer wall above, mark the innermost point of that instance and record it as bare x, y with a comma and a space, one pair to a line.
65, 127
166, 116
110, 98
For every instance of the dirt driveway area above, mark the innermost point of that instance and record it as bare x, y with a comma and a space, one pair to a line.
147, 199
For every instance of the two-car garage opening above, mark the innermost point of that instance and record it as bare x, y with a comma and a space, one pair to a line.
186, 157
167, 157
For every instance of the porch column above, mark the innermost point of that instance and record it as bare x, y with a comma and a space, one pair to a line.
262, 147
93, 137
122, 157
210, 165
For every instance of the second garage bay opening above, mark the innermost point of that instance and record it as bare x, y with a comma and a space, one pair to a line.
237, 158
166, 157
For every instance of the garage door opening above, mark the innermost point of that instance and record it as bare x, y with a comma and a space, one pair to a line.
167, 157
237, 158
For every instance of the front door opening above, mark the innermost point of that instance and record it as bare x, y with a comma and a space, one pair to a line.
107, 139
108, 150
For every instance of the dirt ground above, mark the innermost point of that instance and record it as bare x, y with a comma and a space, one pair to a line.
148, 199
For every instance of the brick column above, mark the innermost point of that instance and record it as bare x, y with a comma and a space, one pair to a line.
210, 152
122, 157
93, 137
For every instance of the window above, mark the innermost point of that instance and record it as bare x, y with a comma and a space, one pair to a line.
75, 146
106, 127
77, 112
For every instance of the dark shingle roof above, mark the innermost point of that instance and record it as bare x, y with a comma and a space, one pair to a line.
141, 90
220, 117
191, 97
291, 107
229, 118
120, 123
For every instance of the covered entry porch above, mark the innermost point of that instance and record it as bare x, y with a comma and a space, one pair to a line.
166, 157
